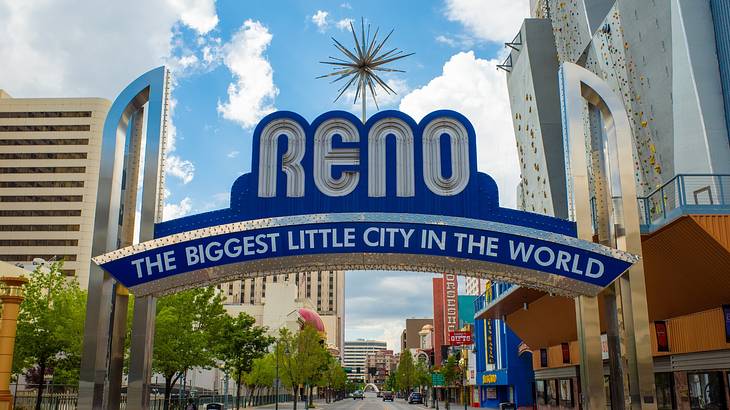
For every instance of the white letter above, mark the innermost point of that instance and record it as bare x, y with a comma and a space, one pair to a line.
325, 157
432, 172
290, 162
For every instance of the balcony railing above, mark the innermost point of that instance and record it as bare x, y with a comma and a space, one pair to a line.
495, 290
685, 194
682, 195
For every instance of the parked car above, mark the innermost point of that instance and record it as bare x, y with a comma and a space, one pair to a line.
358, 395
415, 397
387, 395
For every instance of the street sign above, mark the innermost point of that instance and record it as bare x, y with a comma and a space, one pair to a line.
437, 379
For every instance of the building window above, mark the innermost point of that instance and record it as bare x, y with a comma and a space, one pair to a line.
42, 170
552, 392
664, 390
566, 392
540, 397
706, 390
41, 198
41, 184
40, 212
39, 242
45, 141
38, 228
46, 114
29, 258
43, 155
252, 294
230, 289
42, 128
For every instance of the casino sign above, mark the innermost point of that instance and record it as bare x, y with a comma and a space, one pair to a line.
391, 194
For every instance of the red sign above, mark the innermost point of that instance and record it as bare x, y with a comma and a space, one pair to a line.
451, 305
460, 338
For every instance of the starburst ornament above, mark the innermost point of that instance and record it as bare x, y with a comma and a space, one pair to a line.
361, 64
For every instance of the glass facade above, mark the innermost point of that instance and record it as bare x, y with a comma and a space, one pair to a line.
706, 390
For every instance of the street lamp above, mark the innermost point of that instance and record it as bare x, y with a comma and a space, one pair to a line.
277, 381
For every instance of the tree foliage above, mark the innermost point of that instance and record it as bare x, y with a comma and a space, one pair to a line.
406, 373
239, 344
187, 324
422, 373
302, 358
50, 326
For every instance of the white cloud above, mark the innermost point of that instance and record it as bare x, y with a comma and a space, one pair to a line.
233, 154
489, 20
179, 168
457, 41
252, 95
94, 48
344, 24
174, 211
346, 6
320, 19
199, 15
473, 87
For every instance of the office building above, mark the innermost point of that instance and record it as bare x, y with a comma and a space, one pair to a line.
380, 364
409, 338
669, 61
49, 169
355, 357
325, 290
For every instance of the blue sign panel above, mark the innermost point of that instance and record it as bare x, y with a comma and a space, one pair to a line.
389, 194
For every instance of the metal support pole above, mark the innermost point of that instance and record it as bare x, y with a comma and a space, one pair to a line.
116, 360
140, 363
589, 342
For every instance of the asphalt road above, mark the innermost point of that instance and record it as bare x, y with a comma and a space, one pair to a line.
370, 402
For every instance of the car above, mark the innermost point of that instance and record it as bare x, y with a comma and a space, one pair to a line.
415, 397
387, 395
358, 395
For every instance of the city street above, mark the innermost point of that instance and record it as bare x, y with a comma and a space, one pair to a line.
370, 402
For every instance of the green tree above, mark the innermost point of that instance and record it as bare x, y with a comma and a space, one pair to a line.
301, 357
261, 376
240, 342
406, 373
422, 373
187, 324
391, 384
50, 327
333, 378
452, 374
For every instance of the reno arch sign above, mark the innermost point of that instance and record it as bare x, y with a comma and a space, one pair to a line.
391, 194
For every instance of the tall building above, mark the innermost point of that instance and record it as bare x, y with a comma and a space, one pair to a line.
325, 290
669, 61
409, 338
380, 364
475, 286
355, 357
49, 169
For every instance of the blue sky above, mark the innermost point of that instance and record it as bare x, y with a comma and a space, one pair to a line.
235, 61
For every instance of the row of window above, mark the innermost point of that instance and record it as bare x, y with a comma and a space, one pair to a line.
42, 170
39, 242
554, 392
43, 128
45, 114
43, 155
45, 141
39, 228
41, 198
41, 184
29, 258
40, 212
